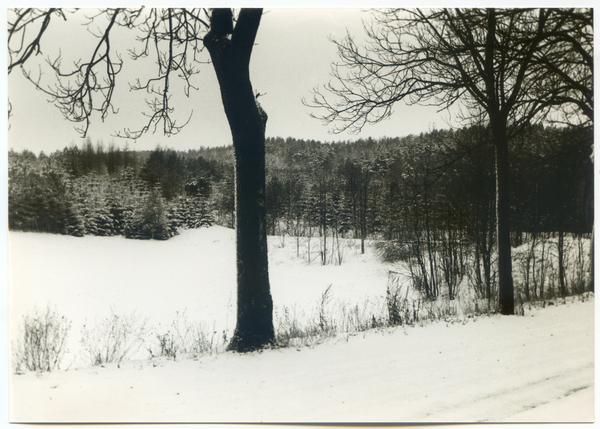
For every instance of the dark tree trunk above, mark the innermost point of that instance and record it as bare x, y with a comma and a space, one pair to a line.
498, 121
323, 215
561, 260
506, 299
591, 284
487, 263
231, 58
363, 220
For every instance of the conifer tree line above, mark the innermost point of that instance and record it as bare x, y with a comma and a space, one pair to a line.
402, 189
93, 190
420, 195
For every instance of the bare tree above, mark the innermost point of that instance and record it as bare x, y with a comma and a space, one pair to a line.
511, 67
175, 39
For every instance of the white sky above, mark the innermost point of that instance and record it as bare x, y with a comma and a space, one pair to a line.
292, 56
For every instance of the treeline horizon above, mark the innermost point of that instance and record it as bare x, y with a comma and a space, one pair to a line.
369, 186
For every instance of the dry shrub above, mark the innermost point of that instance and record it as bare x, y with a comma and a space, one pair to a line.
41, 346
113, 339
185, 337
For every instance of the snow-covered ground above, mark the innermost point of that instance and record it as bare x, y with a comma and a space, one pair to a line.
534, 368
83, 278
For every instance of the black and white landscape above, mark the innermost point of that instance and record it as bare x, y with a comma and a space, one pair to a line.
208, 253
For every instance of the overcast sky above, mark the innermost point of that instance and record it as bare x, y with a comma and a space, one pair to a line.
292, 56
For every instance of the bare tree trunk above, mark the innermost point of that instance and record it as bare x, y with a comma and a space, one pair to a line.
363, 220
308, 245
498, 121
543, 265
506, 299
592, 264
561, 261
231, 58
323, 198
488, 248
478, 279
530, 266
432, 270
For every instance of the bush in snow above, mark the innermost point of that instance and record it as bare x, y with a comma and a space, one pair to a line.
294, 330
393, 251
113, 339
38, 200
537, 267
41, 346
325, 322
290, 332
117, 214
167, 346
73, 223
393, 302
190, 212
100, 222
149, 221
185, 337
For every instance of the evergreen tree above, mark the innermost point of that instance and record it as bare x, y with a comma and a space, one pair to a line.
149, 220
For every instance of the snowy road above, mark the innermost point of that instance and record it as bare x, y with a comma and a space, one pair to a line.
534, 368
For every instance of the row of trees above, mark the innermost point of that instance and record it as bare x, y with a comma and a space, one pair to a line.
381, 188
400, 189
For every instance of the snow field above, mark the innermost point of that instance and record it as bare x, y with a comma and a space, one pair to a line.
534, 368
194, 272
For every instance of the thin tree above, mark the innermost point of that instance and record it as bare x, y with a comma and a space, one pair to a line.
357, 174
176, 39
511, 67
